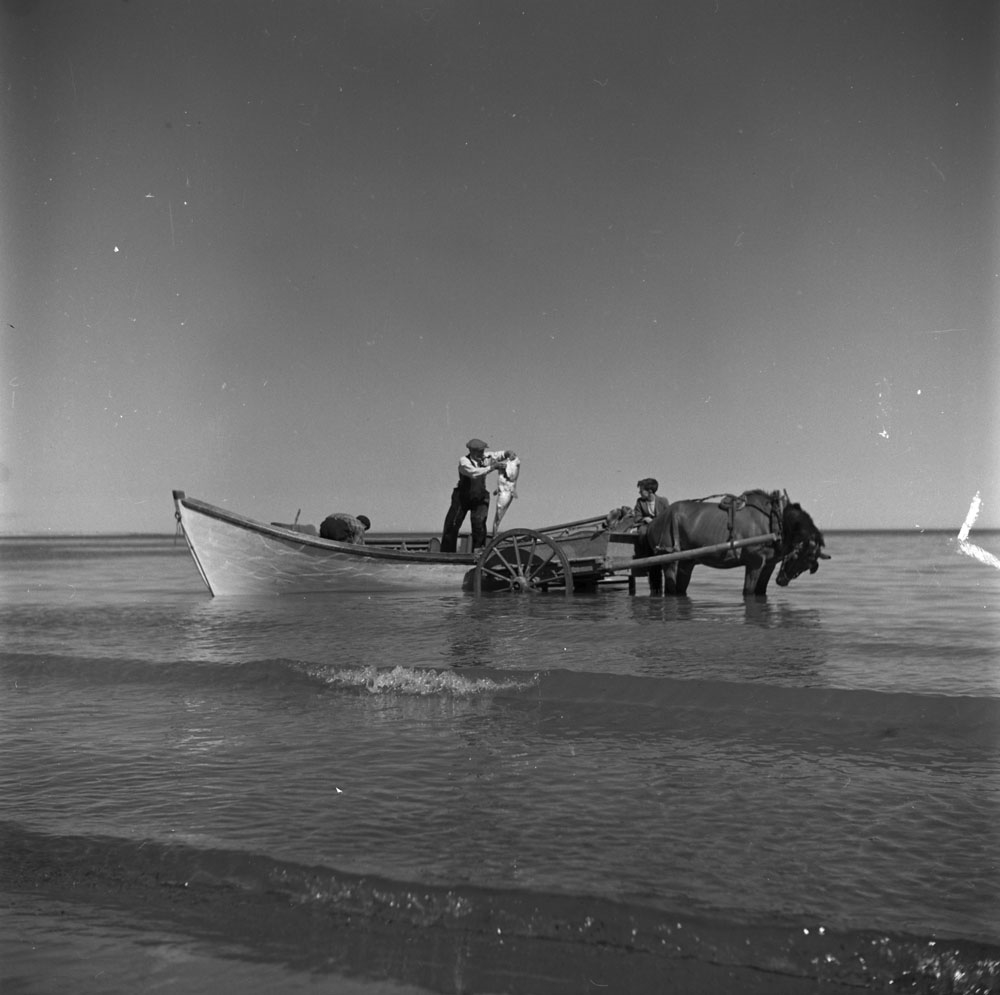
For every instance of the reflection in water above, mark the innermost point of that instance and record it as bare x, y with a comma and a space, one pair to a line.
615, 633
770, 615
693, 639
662, 610
603, 632
752, 611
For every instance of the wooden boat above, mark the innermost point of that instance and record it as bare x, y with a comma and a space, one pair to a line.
236, 555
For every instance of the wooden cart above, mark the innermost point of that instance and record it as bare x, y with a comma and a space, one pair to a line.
577, 556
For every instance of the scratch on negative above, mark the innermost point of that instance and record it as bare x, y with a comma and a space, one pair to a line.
970, 549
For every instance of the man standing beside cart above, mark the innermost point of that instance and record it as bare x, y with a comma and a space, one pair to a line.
649, 505
471, 494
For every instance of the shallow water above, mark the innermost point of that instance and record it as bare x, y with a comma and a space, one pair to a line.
700, 780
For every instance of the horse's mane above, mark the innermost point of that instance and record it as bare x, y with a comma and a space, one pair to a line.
804, 521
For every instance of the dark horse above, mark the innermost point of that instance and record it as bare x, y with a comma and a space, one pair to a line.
692, 524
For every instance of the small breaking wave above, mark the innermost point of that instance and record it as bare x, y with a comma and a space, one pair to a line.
416, 681
23, 669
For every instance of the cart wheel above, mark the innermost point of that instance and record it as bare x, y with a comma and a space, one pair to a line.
522, 560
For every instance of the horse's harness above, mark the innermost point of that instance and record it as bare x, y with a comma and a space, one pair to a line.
771, 506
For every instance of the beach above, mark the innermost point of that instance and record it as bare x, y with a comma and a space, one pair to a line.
446, 793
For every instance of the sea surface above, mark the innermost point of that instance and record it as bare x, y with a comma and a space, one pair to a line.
412, 793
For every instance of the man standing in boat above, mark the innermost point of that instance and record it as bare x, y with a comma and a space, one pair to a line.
471, 494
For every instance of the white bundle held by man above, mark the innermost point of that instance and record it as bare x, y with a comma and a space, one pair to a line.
506, 488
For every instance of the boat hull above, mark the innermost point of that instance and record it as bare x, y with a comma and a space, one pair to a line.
238, 556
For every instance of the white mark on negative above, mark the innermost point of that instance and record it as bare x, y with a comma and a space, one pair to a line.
970, 549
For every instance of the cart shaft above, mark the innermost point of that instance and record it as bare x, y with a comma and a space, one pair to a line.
692, 554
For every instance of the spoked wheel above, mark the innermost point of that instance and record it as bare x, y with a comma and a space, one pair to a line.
523, 561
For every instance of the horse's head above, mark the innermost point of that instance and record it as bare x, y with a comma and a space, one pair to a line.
804, 543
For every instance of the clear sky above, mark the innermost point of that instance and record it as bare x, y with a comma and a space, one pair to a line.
292, 255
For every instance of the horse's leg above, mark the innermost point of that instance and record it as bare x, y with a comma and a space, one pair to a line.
751, 579
656, 580
756, 579
670, 578
763, 576
683, 576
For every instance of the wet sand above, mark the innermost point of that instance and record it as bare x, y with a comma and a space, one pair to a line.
268, 928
